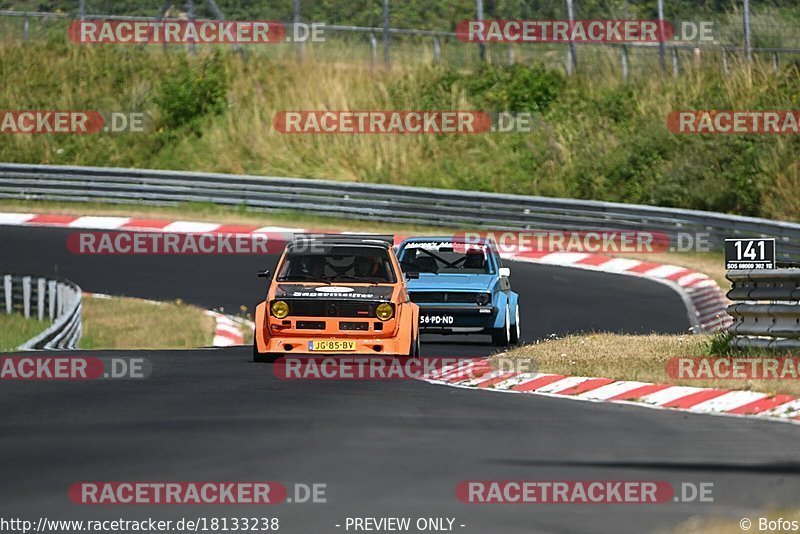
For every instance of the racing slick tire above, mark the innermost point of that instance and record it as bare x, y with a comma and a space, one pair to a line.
515, 328
501, 337
262, 357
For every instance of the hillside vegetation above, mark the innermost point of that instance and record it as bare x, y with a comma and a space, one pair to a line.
594, 137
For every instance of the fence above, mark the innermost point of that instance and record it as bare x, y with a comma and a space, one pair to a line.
770, 316
55, 299
388, 203
740, 36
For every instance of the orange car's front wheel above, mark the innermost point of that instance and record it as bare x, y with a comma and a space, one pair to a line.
415, 347
263, 357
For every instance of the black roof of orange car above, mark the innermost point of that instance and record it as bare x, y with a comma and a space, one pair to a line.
374, 240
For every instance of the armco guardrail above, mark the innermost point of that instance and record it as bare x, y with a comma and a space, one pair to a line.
769, 317
436, 207
44, 297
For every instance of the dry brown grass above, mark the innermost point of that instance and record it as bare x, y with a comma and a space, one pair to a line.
126, 323
627, 357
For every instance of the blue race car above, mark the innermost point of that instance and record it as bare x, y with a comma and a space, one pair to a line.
460, 287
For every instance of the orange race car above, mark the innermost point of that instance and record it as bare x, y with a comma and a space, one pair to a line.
337, 294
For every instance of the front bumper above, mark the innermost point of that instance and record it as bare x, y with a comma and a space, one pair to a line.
374, 346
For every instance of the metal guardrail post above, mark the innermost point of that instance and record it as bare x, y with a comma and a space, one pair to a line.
190, 13
675, 67
373, 45
26, 296
624, 62
60, 299
40, 298
7, 288
479, 16
387, 36
661, 38
746, 30
51, 293
298, 49
725, 61
572, 54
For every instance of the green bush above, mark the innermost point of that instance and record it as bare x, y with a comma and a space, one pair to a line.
490, 87
192, 90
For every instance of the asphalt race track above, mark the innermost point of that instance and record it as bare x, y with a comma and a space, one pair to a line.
382, 448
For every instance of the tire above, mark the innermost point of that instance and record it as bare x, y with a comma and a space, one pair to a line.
263, 357
415, 347
515, 328
501, 337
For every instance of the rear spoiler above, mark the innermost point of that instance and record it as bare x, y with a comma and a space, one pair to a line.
382, 240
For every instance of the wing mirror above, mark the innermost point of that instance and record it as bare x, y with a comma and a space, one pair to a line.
264, 274
411, 275
505, 272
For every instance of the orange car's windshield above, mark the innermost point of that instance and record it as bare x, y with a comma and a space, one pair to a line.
338, 264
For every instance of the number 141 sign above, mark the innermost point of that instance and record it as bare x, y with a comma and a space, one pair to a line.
749, 253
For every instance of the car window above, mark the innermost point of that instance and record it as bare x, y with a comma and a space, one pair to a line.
342, 264
446, 259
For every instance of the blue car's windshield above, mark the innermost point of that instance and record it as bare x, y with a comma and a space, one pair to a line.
440, 259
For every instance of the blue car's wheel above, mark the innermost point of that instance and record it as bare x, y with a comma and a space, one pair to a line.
502, 336
515, 328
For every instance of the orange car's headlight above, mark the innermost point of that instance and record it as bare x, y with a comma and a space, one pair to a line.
279, 309
384, 311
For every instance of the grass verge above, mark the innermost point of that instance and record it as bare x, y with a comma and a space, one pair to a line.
591, 136
16, 330
126, 323
642, 358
